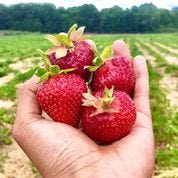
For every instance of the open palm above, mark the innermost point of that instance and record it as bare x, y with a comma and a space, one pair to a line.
59, 150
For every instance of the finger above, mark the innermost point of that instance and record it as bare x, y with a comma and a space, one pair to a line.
27, 102
141, 94
120, 48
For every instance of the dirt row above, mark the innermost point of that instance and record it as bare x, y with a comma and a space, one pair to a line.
168, 82
16, 163
170, 85
172, 50
168, 57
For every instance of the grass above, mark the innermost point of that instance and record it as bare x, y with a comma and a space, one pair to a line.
8, 91
173, 69
6, 117
5, 135
2, 159
165, 121
164, 50
168, 39
161, 62
22, 46
12, 32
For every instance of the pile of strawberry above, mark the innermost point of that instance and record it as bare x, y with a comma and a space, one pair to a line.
79, 85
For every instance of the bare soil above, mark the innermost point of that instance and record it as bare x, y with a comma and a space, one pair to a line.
5, 79
169, 58
16, 165
170, 85
172, 50
148, 57
6, 104
167, 174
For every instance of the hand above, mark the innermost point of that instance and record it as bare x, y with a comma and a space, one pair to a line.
59, 150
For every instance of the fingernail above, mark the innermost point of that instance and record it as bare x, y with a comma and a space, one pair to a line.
139, 57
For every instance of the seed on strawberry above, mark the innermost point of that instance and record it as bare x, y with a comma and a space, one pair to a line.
109, 70
118, 72
61, 97
71, 51
108, 116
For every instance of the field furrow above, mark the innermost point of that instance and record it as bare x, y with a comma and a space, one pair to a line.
148, 57
169, 58
168, 48
16, 164
169, 84
6, 79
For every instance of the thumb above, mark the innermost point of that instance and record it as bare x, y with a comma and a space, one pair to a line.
120, 48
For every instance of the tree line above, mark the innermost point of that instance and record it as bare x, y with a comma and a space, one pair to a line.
146, 18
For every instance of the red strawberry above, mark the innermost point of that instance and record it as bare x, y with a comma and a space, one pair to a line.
81, 56
109, 118
61, 97
118, 72
71, 51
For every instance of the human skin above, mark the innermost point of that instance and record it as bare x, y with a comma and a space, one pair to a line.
59, 150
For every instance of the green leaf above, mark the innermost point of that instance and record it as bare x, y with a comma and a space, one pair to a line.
107, 53
68, 70
53, 40
108, 92
55, 69
91, 68
45, 58
44, 77
40, 52
40, 71
64, 39
98, 61
74, 27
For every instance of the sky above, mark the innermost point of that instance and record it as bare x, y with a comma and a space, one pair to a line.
100, 4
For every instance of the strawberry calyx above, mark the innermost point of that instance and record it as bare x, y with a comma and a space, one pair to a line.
65, 41
102, 104
99, 60
48, 70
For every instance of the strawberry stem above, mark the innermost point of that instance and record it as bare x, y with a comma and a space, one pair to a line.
102, 104
99, 60
45, 59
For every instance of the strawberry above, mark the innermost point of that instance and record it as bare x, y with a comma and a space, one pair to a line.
60, 94
108, 116
118, 72
71, 51
111, 71
61, 98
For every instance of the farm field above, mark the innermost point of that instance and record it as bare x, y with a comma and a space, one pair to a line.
18, 60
